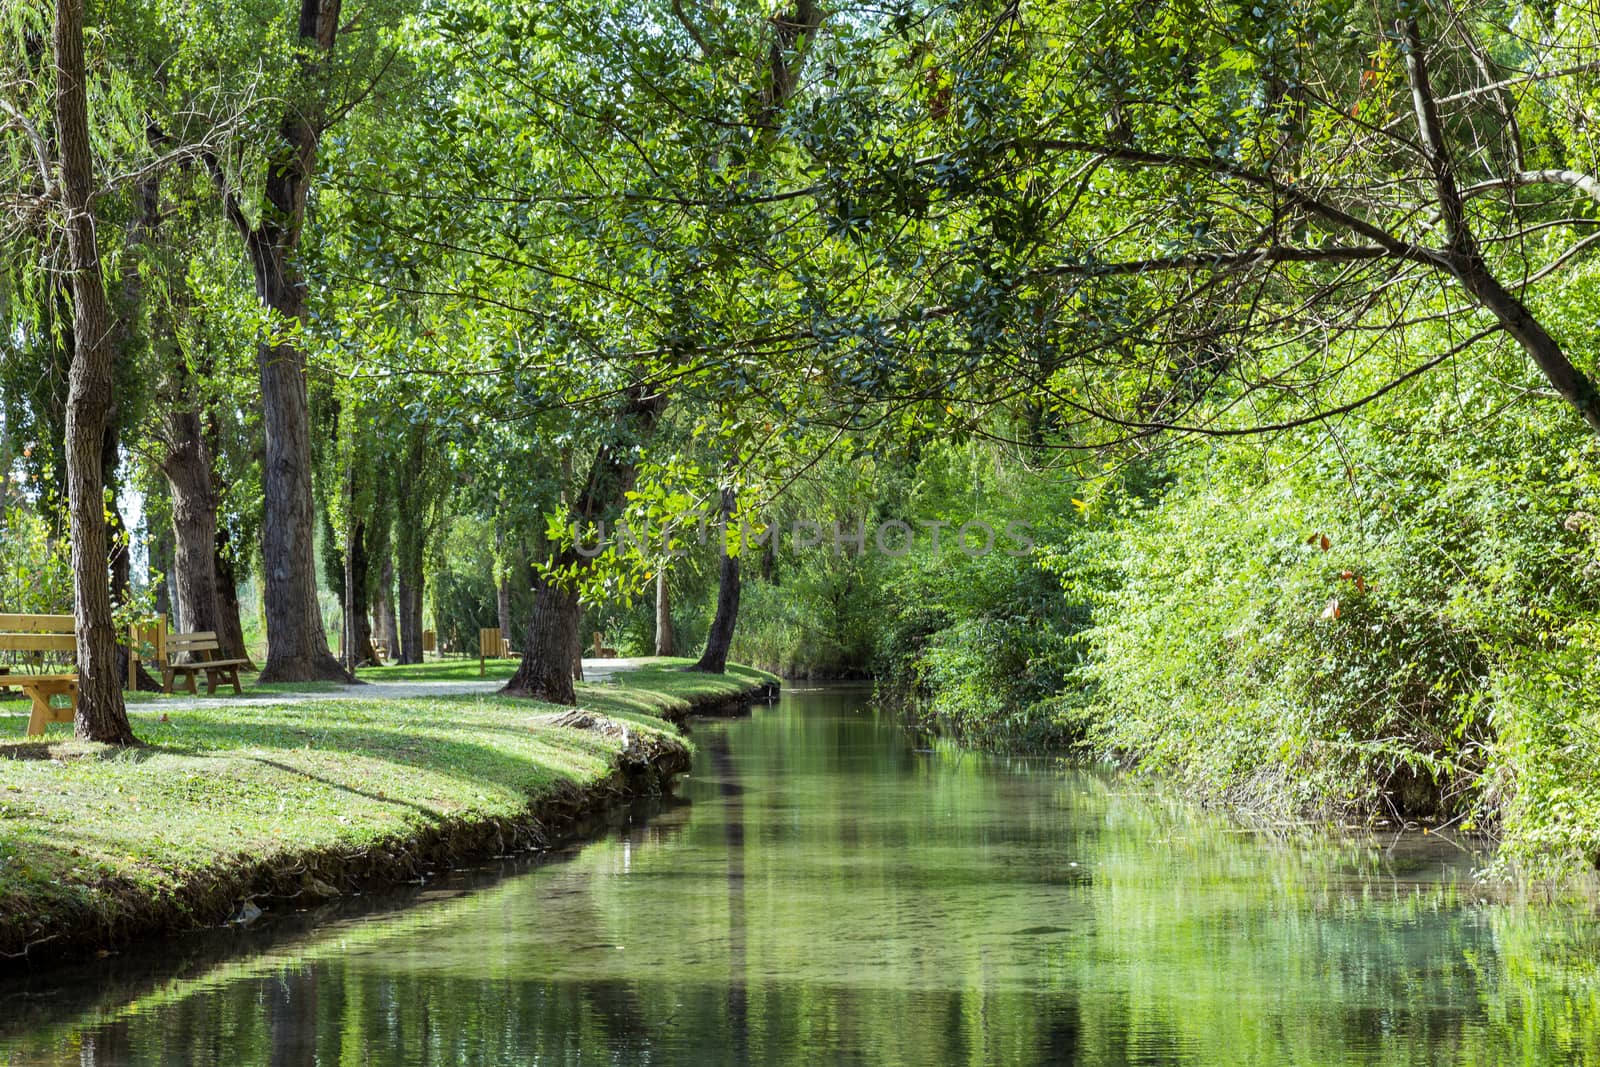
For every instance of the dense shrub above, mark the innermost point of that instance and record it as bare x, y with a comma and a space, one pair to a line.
818, 621
1353, 633
982, 648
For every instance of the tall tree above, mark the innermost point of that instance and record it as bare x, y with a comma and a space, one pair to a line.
423, 483
297, 643
665, 645
719, 640
739, 138
101, 715
553, 645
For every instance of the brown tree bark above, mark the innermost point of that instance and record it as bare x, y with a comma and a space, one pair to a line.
769, 552
116, 528
714, 660
187, 466
101, 715
552, 646
120, 562
358, 624
664, 642
503, 585
503, 603
230, 631
415, 486
388, 631
410, 612
297, 642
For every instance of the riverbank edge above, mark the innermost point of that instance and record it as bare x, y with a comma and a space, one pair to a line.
566, 812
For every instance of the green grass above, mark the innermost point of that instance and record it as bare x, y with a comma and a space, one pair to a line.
252, 690
440, 670
95, 838
665, 676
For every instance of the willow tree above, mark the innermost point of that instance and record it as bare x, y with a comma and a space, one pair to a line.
1186, 218
321, 91
70, 179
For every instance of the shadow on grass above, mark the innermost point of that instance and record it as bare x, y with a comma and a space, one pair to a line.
525, 762
345, 787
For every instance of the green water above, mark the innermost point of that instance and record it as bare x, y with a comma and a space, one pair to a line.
834, 893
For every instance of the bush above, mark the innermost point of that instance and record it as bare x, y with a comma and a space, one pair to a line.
981, 648
1350, 634
35, 571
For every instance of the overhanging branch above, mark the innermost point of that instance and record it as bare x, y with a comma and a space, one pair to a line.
1218, 261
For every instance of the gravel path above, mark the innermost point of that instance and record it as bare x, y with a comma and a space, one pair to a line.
594, 670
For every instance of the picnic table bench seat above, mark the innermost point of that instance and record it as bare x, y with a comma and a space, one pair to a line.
202, 646
38, 636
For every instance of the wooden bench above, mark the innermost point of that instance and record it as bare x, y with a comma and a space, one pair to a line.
141, 635
204, 648
601, 649
39, 635
491, 646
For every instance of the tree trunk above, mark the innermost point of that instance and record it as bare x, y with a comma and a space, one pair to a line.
358, 624
116, 528
551, 646
383, 608
101, 715
414, 487
230, 626
1464, 257
503, 604
1577, 388
297, 642
503, 585
715, 658
187, 466
769, 553
553, 649
410, 612
120, 562
664, 644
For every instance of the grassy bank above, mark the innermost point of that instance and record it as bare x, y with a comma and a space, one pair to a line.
264, 800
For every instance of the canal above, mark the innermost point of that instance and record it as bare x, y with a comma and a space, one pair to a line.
831, 889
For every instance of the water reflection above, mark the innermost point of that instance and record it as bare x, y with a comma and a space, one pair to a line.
835, 893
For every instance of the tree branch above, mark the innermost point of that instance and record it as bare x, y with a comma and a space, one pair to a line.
1290, 192
1219, 261
691, 29
1587, 184
41, 153
230, 199
1434, 152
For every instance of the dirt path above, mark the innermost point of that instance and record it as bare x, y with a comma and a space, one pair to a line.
594, 670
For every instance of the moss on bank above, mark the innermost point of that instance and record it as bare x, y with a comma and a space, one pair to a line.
229, 803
